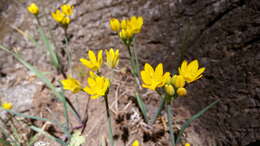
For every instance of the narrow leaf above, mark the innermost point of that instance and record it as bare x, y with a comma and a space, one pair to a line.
194, 117
142, 106
50, 48
39, 130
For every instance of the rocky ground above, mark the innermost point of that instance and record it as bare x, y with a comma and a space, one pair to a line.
223, 34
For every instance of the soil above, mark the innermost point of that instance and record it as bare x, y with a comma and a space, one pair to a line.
222, 34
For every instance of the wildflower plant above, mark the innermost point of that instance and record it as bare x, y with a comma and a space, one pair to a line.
98, 85
173, 87
127, 29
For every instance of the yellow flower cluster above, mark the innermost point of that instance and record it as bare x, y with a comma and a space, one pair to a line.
7, 105
33, 8
95, 62
97, 85
62, 15
153, 79
127, 28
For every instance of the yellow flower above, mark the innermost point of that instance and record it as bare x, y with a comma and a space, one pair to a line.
187, 144
124, 23
61, 18
7, 105
181, 91
191, 71
136, 143
178, 81
71, 84
126, 34
153, 78
112, 58
67, 9
33, 8
169, 89
136, 23
115, 24
94, 63
97, 86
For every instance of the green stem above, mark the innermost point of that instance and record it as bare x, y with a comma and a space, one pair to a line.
169, 117
66, 115
136, 61
109, 122
142, 106
135, 74
158, 111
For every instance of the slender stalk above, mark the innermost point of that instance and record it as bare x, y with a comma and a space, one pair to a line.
169, 117
67, 48
158, 111
136, 61
66, 115
135, 73
109, 122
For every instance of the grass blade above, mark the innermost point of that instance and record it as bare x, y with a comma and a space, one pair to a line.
169, 117
142, 106
42, 77
39, 130
50, 48
194, 117
27, 116
158, 111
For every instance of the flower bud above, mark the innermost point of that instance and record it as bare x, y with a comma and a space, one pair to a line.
181, 91
178, 81
169, 89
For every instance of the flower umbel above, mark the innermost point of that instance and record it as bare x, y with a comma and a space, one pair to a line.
97, 86
7, 105
127, 28
61, 18
191, 72
112, 58
153, 78
94, 63
67, 9
33, 8
71, 84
